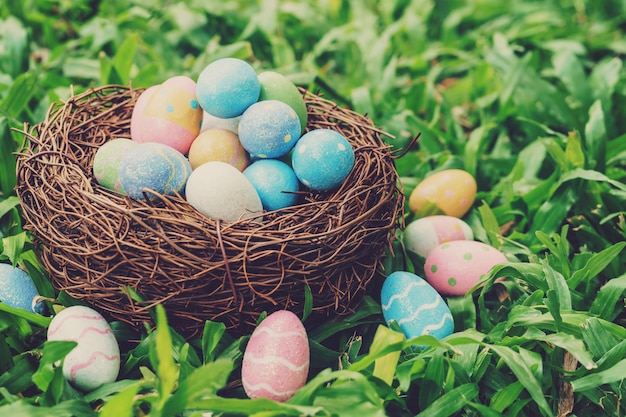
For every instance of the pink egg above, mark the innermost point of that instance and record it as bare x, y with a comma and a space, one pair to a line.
453, 268
169, 115
422, 235
276, 360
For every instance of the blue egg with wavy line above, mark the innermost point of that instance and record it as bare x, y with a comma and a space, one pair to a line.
18, 290
416, 306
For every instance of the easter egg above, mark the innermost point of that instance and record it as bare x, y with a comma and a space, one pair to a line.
452, 191
218, 145
106, 163
18, 290
171, 116
322, 159
227, 87
269, 129
211, 122
423, 235
275, 86
220, 191
415, 305
276, 360
95, 360
154, 166
453, 268
275, 182
138, 109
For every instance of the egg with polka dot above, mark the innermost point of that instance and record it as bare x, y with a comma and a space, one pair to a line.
169, 114
424, 234
269, 129
453, 268
18, 290
275, 182
153, 166
227, 87
415, 306
322, 159
451, 191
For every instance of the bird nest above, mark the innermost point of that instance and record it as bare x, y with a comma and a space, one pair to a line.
124, 256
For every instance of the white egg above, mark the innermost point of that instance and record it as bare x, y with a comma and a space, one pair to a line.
220, 191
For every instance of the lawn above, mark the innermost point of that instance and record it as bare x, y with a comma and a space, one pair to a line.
526, 96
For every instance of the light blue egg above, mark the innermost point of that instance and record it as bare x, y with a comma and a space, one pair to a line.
154, 166
269, 129
275, 182
416, 306
17, 289
227, 87
322, 159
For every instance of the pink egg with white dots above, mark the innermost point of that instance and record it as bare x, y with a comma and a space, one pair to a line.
453, 268
276, 360
451, 192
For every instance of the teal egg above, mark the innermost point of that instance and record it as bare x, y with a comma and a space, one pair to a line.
17, 289
153, 166
275, 182
322, 159
106, 163
416, 306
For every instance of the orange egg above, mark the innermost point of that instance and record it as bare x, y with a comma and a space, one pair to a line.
452, 191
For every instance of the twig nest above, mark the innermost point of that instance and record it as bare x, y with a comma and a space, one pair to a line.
124, 255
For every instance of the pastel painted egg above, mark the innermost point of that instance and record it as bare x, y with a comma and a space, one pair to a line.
275, 182
211, 122
95, 360
138, 109
322, 159
220, 191
423, 235
276, 360
171, 115
18, 290
154, 166
415, 305
106, 163
453, 268
452, 191
275, 86
269, 129
227, 87
218, 145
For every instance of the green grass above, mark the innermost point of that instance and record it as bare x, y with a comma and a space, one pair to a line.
528, 96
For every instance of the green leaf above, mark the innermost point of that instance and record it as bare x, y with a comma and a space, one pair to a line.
604, 305
68, 408
524, 374
385, 366
211, 337
595, 137
570, 71
121, 404
613, 374
167, 372
308, 303
124, 57
451, 402
490, 223
596, 264
53, 351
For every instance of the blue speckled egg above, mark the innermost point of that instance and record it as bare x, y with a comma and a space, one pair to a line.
416, 306
227, 87
322, 159
154, 166
275, 182
269, 129
17, 289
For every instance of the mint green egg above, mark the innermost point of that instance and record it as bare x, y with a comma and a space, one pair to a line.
275, 86
106, 163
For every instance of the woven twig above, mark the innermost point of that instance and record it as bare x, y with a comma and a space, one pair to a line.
96, 244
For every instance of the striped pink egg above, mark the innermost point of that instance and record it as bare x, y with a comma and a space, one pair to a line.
95, 360
276, 360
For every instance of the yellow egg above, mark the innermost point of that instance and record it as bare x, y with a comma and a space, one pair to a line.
218, 145
452, 191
